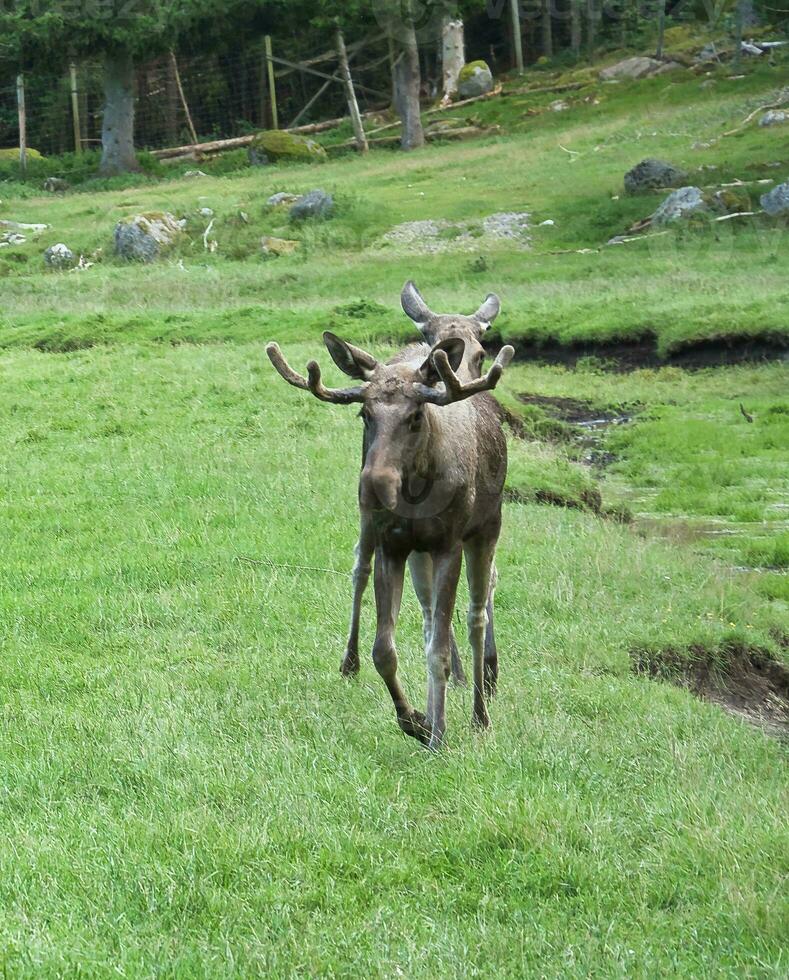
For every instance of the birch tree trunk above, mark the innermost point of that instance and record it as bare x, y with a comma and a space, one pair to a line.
407, 81
453, 56
117, 130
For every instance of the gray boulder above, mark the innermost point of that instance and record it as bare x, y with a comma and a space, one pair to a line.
316, 204
144, 237
56, 185
776, 201
667, 68
680, 204
59, 256
475, 79
774, 117
637, 67
652, 174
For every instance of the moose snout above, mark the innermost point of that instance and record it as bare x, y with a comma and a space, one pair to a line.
380, 488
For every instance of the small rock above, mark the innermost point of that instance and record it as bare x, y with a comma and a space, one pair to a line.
11, 238
637, 67
559, 105
548, 221
680, 204
652, 174
55, 185
774, 117
206, 212
143, 237
316, 204
707, 53
776, 201
60, 256
278, 246
475, 79
282, 198
195, 173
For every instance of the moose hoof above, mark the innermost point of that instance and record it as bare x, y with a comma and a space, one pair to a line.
350, 665
415, 724
480, 722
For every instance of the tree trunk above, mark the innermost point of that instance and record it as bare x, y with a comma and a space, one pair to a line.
547, 28
517, 35
453, 56
591, 28
117, 130
575, 27
739, 23
407, 82
661, 28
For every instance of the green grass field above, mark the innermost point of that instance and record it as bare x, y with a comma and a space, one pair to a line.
188, 786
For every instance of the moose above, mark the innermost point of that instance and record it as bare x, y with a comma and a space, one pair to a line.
434, 463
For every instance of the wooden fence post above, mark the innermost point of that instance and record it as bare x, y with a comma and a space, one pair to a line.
20, 104
72, 70
353, 105
182, 97
271, 86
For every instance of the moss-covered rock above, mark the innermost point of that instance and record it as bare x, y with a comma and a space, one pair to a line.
474, 79
144, 237
276, 144
11, 154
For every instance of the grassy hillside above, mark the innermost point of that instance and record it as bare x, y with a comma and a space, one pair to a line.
666, 287
188, 786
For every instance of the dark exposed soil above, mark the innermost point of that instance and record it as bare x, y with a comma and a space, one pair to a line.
567, 409
746, 682
581, 422
624, 356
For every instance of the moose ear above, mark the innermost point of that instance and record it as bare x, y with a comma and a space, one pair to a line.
352, 360
488, 312
454, 348
414, 306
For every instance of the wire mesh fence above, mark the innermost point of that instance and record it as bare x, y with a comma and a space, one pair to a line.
213, 97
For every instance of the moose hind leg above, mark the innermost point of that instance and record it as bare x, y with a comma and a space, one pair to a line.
420, 565
389, 573
491, 659
361, 575
479, 569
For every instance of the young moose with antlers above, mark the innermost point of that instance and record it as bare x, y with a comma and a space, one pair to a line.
435, 459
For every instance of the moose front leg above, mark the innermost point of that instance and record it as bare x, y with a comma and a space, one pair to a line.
446, 572
361, 574
389, 572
